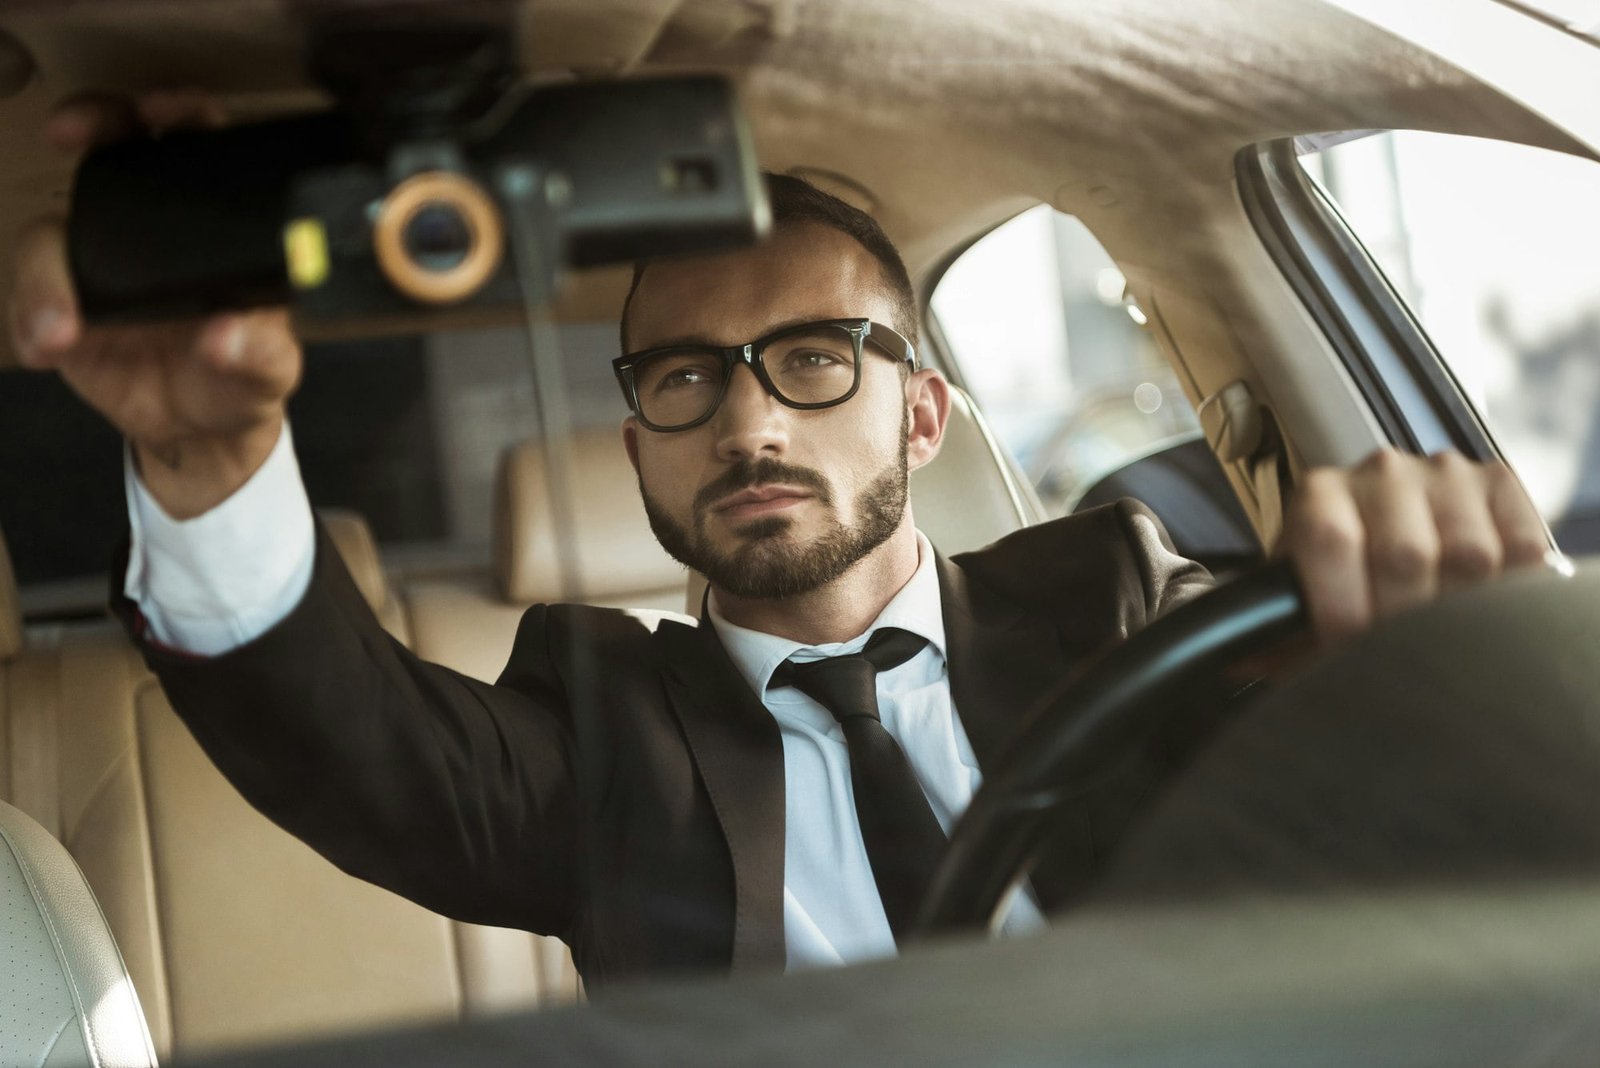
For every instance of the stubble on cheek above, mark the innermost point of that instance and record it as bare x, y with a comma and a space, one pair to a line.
767, 561
768, 557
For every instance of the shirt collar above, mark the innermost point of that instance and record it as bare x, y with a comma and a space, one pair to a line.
916, 608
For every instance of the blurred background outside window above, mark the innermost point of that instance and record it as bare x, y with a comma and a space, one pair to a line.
1043, 337
1493, 247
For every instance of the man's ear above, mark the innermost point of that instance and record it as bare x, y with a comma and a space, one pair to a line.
630, 441
928, 401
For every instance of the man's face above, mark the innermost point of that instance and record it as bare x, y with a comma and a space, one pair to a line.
763, 499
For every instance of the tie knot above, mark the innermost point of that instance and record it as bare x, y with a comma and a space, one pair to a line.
889, 647
847, 685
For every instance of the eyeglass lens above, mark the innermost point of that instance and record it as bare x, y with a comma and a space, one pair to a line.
813, 367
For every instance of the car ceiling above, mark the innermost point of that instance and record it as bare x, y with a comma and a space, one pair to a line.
944, 116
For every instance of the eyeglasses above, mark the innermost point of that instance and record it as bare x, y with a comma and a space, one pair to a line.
812, 365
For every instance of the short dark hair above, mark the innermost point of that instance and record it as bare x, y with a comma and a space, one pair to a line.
795, 200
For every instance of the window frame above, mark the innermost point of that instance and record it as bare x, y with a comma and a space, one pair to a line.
1408, 386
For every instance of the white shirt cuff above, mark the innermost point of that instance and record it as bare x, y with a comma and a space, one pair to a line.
212, 583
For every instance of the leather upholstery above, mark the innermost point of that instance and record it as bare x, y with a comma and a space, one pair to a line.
469, 625
232, 930
619, 562
67, 997
969, 496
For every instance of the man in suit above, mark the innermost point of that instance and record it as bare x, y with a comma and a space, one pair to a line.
683, 797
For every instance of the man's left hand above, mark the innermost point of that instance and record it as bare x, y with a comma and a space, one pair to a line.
1396, 530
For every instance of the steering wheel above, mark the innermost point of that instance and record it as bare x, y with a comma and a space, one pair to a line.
1142, 686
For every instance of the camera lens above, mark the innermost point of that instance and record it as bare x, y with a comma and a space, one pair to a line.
437, 237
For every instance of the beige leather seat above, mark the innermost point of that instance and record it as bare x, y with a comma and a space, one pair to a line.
469, 625
971, 494
233, 931
619, 561
66, 998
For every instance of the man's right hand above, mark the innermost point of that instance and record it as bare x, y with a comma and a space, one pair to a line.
201, 401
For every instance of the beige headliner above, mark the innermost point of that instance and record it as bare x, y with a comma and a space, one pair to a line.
952, 113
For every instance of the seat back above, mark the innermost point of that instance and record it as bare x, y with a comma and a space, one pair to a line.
469, 625
971, 494
235, 932
67, 996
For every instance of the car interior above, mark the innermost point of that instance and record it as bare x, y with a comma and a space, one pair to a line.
943, 119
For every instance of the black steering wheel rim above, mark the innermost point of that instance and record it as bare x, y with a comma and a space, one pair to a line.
1132, 692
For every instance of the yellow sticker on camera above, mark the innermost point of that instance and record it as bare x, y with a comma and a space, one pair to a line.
305, 246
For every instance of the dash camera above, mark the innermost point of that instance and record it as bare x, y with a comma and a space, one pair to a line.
445, 199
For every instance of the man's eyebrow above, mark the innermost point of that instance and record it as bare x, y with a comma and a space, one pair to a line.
701, 341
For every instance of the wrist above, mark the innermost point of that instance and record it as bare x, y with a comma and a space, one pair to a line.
190, 477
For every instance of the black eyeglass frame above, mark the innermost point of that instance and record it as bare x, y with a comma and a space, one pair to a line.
887, 340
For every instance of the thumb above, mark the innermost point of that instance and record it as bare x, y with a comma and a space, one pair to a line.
43, 311
258, 346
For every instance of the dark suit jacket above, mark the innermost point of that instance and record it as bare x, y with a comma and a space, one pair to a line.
619, 788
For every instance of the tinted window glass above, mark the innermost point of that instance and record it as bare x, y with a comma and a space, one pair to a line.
61, 506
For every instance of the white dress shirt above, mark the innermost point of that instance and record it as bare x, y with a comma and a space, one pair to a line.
213, 583
831, 910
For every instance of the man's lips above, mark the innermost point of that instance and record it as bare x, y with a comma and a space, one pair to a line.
759, 500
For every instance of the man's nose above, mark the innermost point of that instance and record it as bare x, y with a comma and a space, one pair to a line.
750, 422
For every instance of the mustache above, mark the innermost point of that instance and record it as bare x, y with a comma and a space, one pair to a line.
749, 473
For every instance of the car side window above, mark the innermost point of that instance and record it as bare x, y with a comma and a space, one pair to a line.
1491, 246
1036, 320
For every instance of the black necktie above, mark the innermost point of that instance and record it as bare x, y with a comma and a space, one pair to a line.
903, 836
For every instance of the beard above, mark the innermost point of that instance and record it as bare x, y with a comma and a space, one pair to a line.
765, 564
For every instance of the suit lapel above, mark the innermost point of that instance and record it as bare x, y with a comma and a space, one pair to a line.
1001, 661
738, 750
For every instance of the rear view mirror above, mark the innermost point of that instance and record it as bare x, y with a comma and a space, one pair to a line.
431, 196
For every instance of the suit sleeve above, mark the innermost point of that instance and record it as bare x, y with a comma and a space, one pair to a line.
454, 793
1168, 581
1099, 575
1165, 580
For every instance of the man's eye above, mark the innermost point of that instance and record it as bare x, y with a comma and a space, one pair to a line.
685, 377
813, 359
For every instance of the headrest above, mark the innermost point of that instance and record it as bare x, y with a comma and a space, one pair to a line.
353, 538
617, 555
10, 607
969, 495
